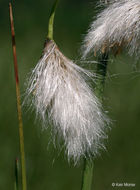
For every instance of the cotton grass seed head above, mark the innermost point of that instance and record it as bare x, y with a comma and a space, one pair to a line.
58, 90
116, 27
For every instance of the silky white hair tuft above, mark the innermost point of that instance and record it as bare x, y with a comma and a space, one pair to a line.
117, 26
58, 90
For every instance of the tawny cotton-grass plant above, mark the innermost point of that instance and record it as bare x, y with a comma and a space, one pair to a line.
58, 90
116, 27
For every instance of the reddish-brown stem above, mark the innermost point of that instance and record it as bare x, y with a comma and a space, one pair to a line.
21, 137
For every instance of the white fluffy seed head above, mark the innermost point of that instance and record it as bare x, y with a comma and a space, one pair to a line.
117, 26
58, 89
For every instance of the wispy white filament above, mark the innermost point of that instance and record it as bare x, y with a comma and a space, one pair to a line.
116, 26
108, 1
58, 88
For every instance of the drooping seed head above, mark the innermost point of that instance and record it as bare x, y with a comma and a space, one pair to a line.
58, 89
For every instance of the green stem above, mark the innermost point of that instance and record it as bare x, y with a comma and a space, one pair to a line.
16, 175
101, 71
21, 137
51, 21
87, 175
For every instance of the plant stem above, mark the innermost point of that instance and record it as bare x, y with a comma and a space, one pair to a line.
87, 175
16, 174
51, 21
21, 137
101, 71
88, 165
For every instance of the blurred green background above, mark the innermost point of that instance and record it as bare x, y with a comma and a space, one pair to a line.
47, 168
